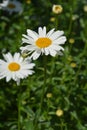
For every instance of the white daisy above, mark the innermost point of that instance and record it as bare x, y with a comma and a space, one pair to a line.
13, 6
4, 3
42, 42
15, 67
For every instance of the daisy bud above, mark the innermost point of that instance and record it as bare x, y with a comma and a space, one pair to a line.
57, 9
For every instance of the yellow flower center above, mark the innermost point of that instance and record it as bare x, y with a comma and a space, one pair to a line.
14, 66
11, 6
43, 42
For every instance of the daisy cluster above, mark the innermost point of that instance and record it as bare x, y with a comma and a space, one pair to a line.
34, 44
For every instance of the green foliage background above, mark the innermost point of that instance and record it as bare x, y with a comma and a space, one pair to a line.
66, 75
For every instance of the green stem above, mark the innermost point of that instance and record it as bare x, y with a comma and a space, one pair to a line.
79, 68
42, 97
56, 21
74, 3
70, 24
62, 124
19, 112
43, 89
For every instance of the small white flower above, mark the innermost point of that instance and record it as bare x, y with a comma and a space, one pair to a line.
4, 3
13, 6
43, 43
15, 67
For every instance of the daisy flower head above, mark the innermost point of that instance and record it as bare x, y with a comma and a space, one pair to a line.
15, 67
42, 42
13, 6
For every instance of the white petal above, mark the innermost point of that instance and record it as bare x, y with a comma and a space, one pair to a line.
20, 59
30, 72
40, 31
8, 57
25, 73
14, 76
4, 72
46, 51
50, 32
24, 40
44, 31
27, 38
16, 57
2, 62
60, 40
56, 34
30, 66
18, 81
8, 78
36, 54
24, 49
56, 47
60, 48
32, 34
20, 75
2, 76
52, 52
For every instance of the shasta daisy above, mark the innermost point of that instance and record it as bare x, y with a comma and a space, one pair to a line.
42, 42
15, 67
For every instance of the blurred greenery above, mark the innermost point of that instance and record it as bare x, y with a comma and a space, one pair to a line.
66, 74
